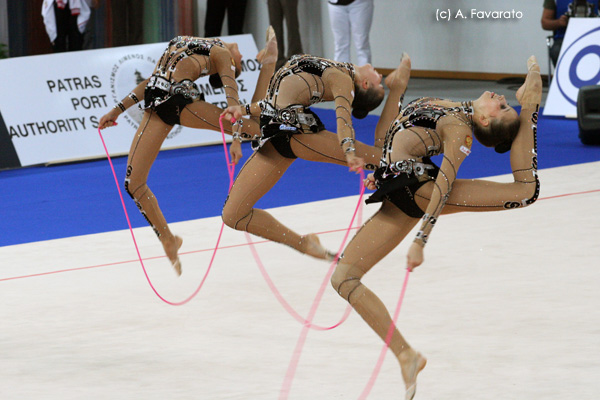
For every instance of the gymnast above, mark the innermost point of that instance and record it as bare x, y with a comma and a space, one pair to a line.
291, 130
171, 97
412, 189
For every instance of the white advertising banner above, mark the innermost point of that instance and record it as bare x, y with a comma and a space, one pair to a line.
578, 66
51, 104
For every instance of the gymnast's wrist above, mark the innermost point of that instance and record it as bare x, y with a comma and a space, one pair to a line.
133, 98
119, 107
421, 239
347, 145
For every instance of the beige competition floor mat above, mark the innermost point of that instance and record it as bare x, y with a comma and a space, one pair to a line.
506, 306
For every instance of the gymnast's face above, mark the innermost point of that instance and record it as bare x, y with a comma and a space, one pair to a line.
372, 78
493, 106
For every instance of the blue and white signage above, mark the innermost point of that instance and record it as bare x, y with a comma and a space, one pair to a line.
51, 104
578, 66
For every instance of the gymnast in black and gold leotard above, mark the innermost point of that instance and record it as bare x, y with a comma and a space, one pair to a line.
412, 189
278, 123
291, 130
171, 97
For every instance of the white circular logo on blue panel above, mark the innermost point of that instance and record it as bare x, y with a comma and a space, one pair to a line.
579, 65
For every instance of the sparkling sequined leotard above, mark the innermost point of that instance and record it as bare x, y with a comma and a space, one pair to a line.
279, 122
417, 122
164, 93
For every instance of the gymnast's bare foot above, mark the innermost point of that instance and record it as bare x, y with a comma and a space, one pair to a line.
268, 55
412, 363
531, 91
398, 79
171, 250
311, 245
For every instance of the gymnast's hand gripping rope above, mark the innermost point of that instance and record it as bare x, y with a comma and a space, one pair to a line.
179, 303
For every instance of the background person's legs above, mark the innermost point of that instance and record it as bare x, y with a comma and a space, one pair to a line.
340, 27
135, 21
361, 17
276, 20
294, 42
555, 50
215, 14
62, 21
236, 13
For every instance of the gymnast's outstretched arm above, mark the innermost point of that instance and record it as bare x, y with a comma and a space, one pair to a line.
221, 59
137, 94
342, 88
456, 141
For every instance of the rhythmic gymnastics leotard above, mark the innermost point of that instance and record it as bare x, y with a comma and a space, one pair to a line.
164, 94
279, 124
399, 181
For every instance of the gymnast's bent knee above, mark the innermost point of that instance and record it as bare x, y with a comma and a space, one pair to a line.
234, 220
345, 280
133, 185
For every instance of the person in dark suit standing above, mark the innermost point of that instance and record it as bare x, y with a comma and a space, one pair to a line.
280, 10
127, 22
215, 15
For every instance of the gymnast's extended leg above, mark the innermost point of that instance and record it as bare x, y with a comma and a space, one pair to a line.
144, 149
397, 82
484, 195
377, 238
264, 168
325, 147
267, 57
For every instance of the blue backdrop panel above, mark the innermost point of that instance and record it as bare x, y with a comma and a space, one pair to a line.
42, 203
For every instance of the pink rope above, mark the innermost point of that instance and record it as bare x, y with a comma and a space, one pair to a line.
277, 293
230, 165
284, 393
282, 300
388, 339
184, 301
263, 270
291, 371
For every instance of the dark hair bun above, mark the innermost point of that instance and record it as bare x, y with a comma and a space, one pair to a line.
503, 147
215, 81
359, 113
